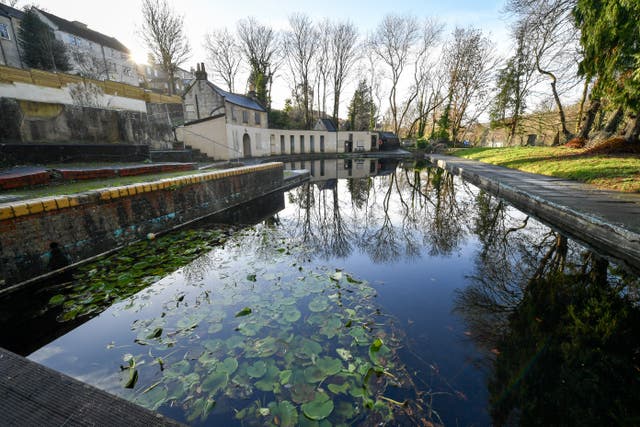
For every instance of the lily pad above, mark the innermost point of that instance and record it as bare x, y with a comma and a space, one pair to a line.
244, 312
285, 413
153, 398
344, 354
338, 389
291, 314
257, 370
215, 382
319, 408
309, 348
56, 299
228, 365
319, 304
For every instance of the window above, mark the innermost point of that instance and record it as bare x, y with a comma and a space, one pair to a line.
75, 41
245, 117
4, 31
322, 143
312, 144
282, 144
126, 71
257, 118
302, 144
233, 114
292, 141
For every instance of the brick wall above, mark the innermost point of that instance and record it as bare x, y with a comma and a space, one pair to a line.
91, 223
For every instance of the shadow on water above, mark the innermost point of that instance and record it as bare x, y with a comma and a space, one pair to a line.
560, 327
31, 318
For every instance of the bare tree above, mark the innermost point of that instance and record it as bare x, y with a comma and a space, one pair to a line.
343, 55
163, 33
554, 40
322, 66
300, 47
417, 99
469, 62
392, 42
261, 46
222, 50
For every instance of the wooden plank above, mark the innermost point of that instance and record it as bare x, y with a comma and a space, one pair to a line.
33, 395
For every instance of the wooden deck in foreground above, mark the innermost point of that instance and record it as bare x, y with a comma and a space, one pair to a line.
33, 395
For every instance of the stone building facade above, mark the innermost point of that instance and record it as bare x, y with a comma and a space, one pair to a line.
10, 19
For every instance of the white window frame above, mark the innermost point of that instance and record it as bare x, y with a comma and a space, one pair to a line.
4, 34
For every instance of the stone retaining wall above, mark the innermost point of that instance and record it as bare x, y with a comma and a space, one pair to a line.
84, 225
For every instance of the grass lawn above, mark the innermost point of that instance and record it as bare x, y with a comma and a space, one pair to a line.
619, 172
94, 184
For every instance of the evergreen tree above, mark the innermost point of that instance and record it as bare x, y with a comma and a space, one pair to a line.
362, 109
39, 45
610, 30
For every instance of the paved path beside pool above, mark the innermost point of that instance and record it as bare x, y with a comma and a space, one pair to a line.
607, 221
33, 395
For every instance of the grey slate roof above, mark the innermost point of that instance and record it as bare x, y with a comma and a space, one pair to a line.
328, 125
10, 12
85, 33
239, 100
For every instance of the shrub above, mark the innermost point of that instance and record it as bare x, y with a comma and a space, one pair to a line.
421, 143
615, 145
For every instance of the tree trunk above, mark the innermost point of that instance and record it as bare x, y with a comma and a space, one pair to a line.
563, 120
633, 133
590, 118
614, 122
583, 99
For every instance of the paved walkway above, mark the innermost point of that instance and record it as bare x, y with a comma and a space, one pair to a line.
33, 395
607, 221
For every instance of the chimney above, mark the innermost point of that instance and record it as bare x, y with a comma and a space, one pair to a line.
201, 74
79, 24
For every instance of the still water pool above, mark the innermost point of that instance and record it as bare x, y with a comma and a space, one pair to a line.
377, 294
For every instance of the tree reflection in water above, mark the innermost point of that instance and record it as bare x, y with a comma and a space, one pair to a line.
561, 330
389, 218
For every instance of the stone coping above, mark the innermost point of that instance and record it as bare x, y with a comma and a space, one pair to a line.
48, 204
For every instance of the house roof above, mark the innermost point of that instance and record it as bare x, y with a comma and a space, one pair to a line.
328, 125
10, 12
83, 31
239, 100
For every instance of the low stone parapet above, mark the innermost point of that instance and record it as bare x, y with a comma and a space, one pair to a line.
35, 235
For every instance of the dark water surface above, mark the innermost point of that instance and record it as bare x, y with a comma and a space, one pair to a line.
376, 294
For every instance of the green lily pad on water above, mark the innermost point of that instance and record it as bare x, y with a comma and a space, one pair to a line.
244, 312
265, 347
215, 382
323, 368
56, 299
291, 314
228, 365
339, 389
269, 382
308, 348
319, 408
153, 398
319, 304
285, 412
257, 370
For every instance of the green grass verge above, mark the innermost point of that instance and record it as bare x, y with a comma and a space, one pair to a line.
611, 171
94, 184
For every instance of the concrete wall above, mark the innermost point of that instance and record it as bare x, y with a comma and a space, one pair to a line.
91, 223
210, 137
23, 121
69, 95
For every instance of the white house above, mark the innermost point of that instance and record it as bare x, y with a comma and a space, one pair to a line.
91, 53
227, 126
